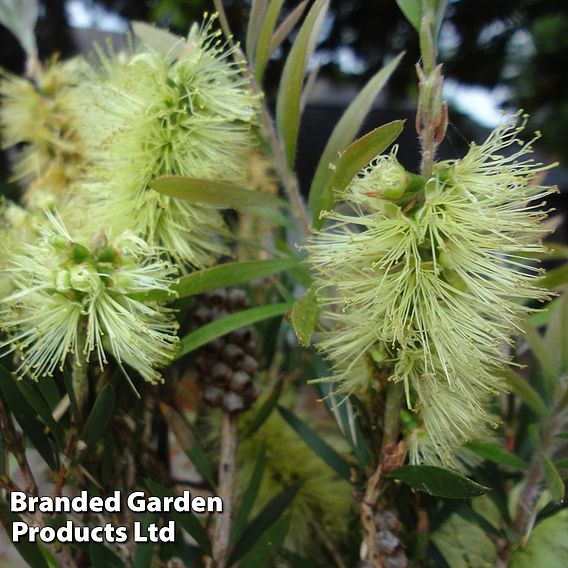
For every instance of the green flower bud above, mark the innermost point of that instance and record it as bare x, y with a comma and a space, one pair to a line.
84, 278
79, 253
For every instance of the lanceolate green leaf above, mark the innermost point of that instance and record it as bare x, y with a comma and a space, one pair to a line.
262, 522
288, 104
317, 444
220, 327
43, 410
543, 353
287, 26
25, 415
547, 546
188, 521
556, 336
554, 278
496, 454
553, 479
20, 17
412, 9
438, 481
257, 11
355, 158
346, 130
214, 193
221, 276
250, 494
265, 36
188, 443
304, 316
265, 410
100, 416
161, 41
520, 387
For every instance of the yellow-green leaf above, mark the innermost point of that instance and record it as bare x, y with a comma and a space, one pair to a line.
553, 479
220, 327
214, 193
262, 53
355, 158
161, 41
438, 481
257, 11
286, 26
346, 130
221, 276
288, 104
304, 316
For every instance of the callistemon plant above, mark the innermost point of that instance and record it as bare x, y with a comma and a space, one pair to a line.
36, 116
425, 280
189, 112
74, 298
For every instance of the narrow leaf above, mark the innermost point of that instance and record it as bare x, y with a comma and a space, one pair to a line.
355, 158
288, 103
25, 416
257, 12
160, 40
346, 130
188, 442
265, 35
543, 354
20, 17
267, 547
304, 316
521, 388
265, 410
287, 26
262, 522
144, 551
317, 444
412, 9
100, 416
556, 336
496, 454
553, 479
250, 494
543, 316
188, 521
438, 481
222, 326
42, 410
554, 278
214, 193
221, 276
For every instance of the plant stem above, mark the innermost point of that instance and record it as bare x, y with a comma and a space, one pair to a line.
432, 112
225, 488
389, 459
530, 492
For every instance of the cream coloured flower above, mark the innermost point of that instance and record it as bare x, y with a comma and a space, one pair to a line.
75, 299
424, 286
152, 114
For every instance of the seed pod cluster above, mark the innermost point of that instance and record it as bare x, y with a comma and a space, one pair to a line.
388, 541
227, 366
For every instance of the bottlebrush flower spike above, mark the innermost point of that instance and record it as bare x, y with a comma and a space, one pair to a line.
38, 115
70, 298
426, 285
152, 115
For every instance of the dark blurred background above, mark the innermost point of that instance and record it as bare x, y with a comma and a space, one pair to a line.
503, 54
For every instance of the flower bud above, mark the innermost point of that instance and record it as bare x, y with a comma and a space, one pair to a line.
84, 278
